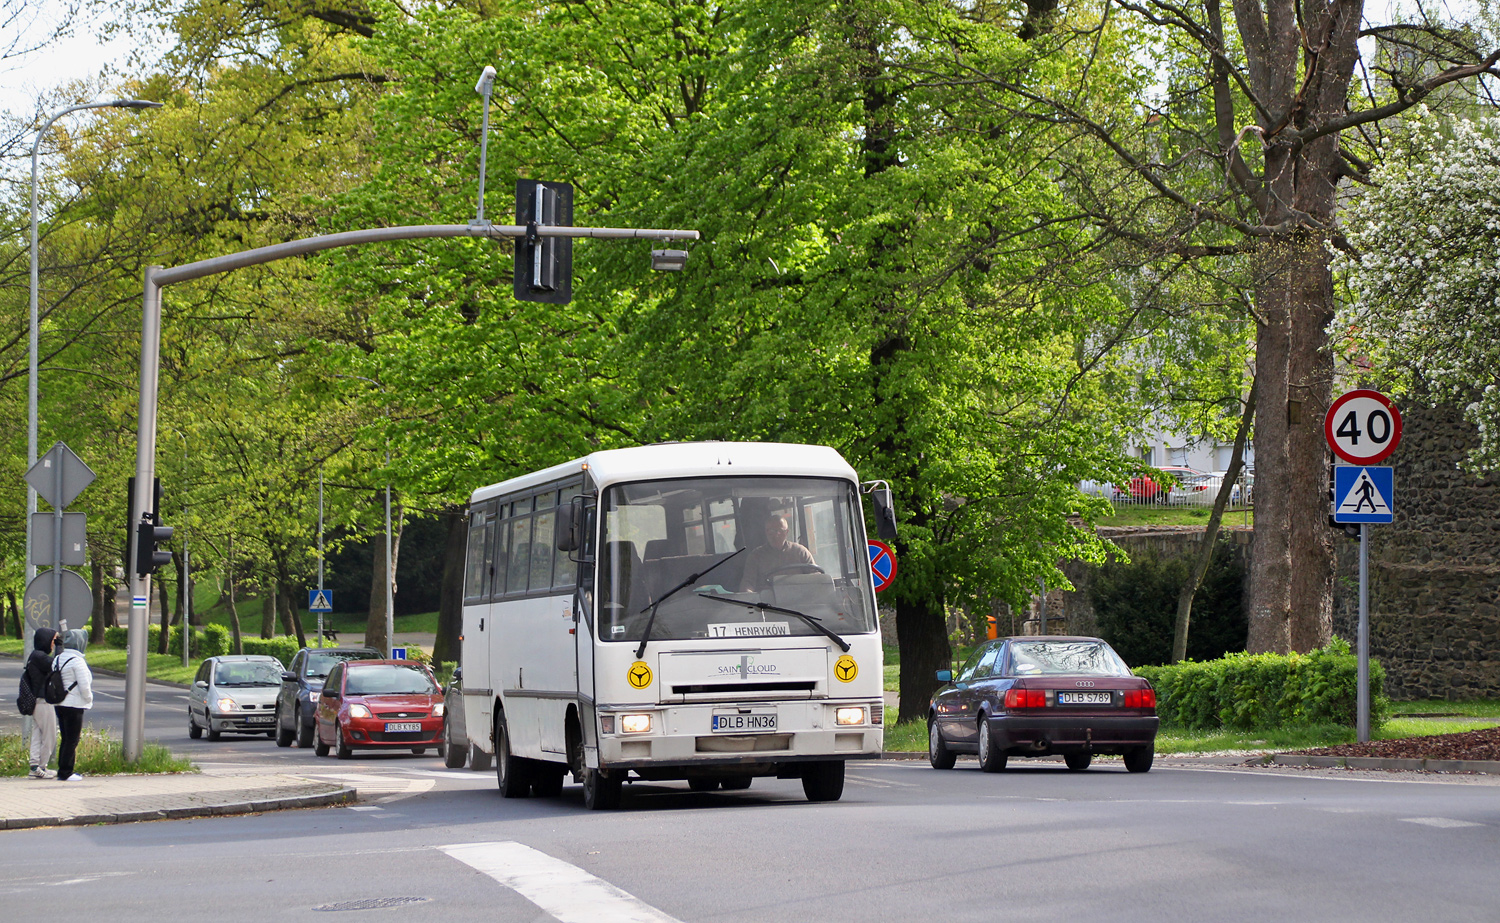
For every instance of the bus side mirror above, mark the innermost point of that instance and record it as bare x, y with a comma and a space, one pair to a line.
885, 512
570, 536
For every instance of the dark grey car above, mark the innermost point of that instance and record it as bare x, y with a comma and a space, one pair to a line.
297, 701
458, 749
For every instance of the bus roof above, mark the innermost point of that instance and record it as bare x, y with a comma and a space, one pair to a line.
687, 459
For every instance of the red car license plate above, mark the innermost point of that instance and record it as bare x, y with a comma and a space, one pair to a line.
402, 727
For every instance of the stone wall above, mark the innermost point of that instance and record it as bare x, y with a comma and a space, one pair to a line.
1435, 571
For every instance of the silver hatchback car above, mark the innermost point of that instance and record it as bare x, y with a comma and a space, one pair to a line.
236, 693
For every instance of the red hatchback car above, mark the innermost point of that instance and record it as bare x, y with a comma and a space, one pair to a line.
379, 705
1038, 696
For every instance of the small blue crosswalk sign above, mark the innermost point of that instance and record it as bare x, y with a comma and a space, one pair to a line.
1363, 493
319, 600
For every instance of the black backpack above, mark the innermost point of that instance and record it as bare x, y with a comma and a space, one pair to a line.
26, 701
56, 691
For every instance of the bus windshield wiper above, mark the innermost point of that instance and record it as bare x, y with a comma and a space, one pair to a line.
691, 578
767, 607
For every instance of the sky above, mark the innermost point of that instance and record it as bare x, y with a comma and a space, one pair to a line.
80, 56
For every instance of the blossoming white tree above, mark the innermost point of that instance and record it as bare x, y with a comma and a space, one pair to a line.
1425, 276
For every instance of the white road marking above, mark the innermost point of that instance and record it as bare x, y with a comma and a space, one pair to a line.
563, 890
1439, 822
365, 807
880, 783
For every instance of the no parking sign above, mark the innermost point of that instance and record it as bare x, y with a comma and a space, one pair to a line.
882, 564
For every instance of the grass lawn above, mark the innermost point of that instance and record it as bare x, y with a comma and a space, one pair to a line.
1173, 516
99, 754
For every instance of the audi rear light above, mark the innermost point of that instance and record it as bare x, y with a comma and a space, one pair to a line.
1140, 698
1025, 698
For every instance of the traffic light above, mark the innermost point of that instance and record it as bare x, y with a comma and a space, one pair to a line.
149, 537
544, 265
132, 515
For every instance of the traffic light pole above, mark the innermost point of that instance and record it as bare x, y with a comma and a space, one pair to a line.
157, 278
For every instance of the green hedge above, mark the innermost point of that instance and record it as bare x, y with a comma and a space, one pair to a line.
283, 648
1254, 691
208, 641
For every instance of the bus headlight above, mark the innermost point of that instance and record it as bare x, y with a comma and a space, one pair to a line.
635, 724
847, 716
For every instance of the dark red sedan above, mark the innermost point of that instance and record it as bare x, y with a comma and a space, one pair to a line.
1039, 696
379, 705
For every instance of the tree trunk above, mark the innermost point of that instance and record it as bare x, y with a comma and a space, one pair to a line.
292, 613
380, 573
446, 647
103, 599
268, 615
15, 614
234, 612
1211, 533
165, 596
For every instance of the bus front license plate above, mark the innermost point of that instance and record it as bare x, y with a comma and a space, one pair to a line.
744, 724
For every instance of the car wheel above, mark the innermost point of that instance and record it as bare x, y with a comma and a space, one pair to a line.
453, 755
703, 785
320, 748
271, 734
823, 781
735, 783
284, 735
344, 750
601, 789
547, 781
1078, 761
510, 771
418, 751
938, 753
479, 761
212, 734
991, 757
194, 731
1139, 759
304, 730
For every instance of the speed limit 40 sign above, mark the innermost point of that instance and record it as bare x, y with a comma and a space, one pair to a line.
1363, 427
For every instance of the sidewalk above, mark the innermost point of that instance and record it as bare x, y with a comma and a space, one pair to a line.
27, 802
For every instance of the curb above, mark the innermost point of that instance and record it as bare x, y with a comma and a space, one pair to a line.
342, 795
1390, 764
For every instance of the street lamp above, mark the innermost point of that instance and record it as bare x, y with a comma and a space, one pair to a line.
484, 87
31, 377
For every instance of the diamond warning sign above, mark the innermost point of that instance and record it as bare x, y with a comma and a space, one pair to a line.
1363, 494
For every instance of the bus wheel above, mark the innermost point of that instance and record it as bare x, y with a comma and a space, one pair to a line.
601, 789
736, 783
823, 781
510, 771
700, 784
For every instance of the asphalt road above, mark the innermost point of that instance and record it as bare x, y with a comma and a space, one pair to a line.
1183, 842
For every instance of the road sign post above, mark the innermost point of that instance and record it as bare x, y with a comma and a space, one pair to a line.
59, 539
1363, 428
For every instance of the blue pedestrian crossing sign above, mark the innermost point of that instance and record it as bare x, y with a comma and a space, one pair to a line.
319, 600
1363, 493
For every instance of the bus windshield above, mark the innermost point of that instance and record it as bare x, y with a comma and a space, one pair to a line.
785, 543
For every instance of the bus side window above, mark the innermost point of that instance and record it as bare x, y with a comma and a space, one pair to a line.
474, 573
500, 553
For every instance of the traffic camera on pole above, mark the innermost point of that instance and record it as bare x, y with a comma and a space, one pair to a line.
149, 539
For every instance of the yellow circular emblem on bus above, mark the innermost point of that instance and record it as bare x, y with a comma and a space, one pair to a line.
845, 669
639, 675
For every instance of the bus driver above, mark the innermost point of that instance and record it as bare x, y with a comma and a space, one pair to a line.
777, 554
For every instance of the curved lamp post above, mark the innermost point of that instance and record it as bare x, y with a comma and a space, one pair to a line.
31, 377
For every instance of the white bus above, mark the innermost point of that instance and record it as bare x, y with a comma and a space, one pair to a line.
697, 611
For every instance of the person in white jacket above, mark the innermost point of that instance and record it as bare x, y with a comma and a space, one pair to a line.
79, 681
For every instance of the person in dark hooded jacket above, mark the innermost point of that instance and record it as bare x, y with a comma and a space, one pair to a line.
44, 720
